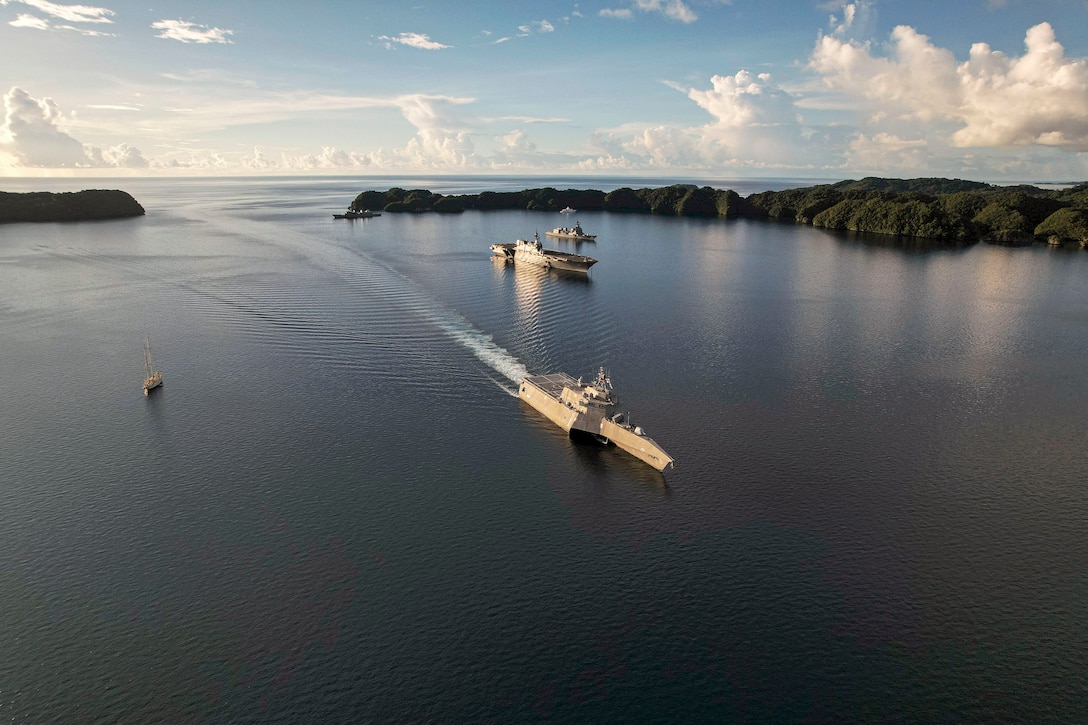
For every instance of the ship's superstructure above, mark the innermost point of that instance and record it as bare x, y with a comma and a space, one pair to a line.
590, 408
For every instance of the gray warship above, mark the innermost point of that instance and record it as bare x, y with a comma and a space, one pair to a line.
575, 233
525, 252
591, 409
353, 214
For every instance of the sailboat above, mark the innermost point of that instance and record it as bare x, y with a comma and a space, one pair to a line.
154, 378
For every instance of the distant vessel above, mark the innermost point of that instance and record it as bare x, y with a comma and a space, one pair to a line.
154, 378
351, 214
576, 233
527, 252
567, 210
590, 409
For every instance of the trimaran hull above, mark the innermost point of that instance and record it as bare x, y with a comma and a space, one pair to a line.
576, 407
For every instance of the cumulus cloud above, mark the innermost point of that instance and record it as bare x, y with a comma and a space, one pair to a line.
442, 139
68, 13
30, 133
991, 100
517, 142
32, 136
858, 19
883, 151
330, 158
744, 100
413, 40
207, 161
604, 163
755, 123
186, 32
258, 161
121, 156
443, 136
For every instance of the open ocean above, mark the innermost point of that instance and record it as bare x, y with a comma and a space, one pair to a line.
337, 510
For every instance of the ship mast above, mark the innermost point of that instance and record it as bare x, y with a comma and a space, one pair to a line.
147, 356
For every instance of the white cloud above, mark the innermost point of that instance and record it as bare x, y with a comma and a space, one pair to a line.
858, 19
413, 40
1040, 98
186, 32
755, 121
883, 152
517, 142
208, 161
69, 13
675, 9
755, 125
743, 100
443, 137
537, 26
31, 135
29, 21
618, 13
605, 163
535, 119
258, 161
121, 156
990, 100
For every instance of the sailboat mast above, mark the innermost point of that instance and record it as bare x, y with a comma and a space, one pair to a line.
147, 355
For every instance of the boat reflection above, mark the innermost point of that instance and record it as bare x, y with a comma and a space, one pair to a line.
590, 461
536, 275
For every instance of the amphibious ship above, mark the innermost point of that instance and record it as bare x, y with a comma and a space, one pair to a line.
576, 233
590, 408
527, 252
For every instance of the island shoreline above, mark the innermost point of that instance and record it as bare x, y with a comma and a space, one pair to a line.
952, 211
71, 206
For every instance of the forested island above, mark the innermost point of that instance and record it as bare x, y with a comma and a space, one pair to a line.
73, 206
949, 210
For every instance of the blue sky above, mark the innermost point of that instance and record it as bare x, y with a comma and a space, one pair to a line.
981, 89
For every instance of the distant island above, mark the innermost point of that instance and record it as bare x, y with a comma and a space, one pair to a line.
74, 206
948, 210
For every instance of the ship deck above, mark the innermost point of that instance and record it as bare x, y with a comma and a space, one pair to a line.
553, 383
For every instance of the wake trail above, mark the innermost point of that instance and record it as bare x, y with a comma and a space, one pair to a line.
399, 286
478, 343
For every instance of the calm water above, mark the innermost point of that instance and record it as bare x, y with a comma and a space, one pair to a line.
337, 510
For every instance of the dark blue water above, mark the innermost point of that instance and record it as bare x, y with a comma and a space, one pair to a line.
337, 510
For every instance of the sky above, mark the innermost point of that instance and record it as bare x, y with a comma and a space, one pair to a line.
990, 90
